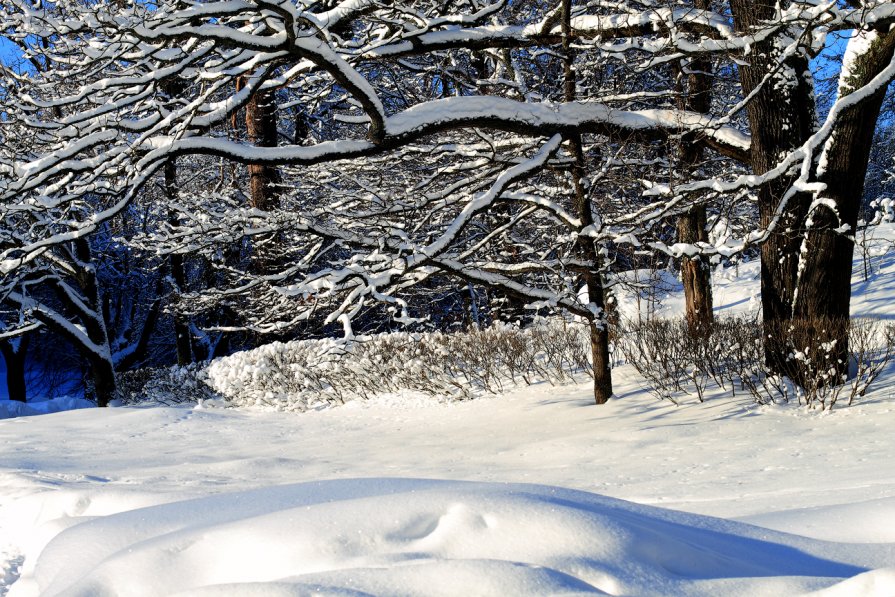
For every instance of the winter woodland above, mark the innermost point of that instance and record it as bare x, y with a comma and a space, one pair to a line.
295, 204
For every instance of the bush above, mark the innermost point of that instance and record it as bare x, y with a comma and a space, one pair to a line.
166, 385
308, 374
731, 353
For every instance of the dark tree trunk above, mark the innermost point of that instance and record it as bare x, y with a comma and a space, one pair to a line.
15, 354
824, 284
695, 87
261, 128
104, 384
599, 325
781, 118
696, 273
183, 339
140, 352
182, 336
103, 369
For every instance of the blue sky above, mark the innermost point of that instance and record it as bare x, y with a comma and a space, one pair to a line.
8, 51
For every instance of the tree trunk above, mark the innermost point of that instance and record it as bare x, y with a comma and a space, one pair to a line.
104, 385
695, 88
182, 336
696, 272
824, 285
781, 118
599, 325
103, 368
261, 128
15, 355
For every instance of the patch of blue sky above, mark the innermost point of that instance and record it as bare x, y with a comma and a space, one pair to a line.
825, 68
10, 54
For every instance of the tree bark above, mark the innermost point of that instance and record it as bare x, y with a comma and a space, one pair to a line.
15, 352
182, 337
781, 118
696, 274
261, 129
695, 89
599, 325
104, 382
824, 283
103, 369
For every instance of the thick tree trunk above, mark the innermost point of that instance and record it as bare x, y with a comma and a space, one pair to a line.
264, 180
104, 383
824, 284
599, 326
15, 355
599, 341
103, 368
261, 128
781, 118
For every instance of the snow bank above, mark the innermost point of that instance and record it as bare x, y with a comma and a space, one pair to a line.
14, 408
415, 537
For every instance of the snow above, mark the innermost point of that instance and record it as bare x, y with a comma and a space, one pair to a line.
12, 408
858, 45
549, 116
408, 496
533, 492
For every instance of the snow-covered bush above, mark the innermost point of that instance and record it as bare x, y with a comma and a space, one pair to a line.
170, 385
307, 374
883, 210
871, 347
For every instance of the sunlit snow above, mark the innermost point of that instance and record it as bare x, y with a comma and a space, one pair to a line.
532, 492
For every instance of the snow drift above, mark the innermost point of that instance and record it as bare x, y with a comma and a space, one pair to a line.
417, 537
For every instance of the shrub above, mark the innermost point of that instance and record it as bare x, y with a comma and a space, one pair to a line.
166, 385
731, 353
308, 374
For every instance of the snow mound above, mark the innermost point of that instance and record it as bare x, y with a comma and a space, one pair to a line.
418, 537
12, 408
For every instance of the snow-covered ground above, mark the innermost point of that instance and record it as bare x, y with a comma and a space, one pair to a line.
152, 501
530, 493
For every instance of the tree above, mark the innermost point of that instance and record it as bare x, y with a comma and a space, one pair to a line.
410, 158
823, 289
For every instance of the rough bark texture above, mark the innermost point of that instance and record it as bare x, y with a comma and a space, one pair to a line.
824, 285
781, 118
261, 128
695, 272
15, 354
695, 87
599, 327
